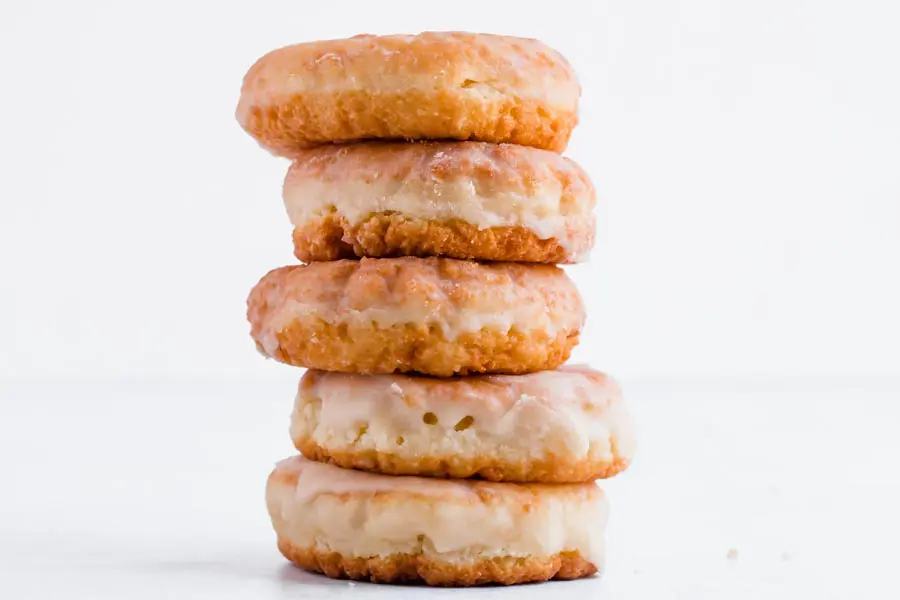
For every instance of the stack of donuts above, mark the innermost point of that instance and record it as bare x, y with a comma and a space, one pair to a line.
441, 438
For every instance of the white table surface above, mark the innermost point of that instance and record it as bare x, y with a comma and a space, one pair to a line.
136, 490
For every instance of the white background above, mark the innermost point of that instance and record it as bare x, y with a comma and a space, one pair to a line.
745, 287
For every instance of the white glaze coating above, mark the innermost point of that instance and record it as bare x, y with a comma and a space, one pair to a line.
486, 185
434, 61
573, 414
364, 515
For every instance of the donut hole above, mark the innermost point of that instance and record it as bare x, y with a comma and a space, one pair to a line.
464, 423
430, 418
400, 440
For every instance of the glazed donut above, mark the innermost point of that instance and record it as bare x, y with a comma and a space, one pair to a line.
568, 425
459, 86
357, 525
468, 200
435, 316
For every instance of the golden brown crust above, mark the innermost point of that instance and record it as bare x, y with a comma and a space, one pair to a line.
415, 314
397, 568
314, 344
387, 235
549, 470
430, 86
311, 119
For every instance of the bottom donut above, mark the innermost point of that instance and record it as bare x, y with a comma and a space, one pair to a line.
351, 524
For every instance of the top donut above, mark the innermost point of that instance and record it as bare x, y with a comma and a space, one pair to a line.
444, 86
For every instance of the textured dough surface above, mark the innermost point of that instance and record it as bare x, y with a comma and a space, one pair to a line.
428, 315
389, 235
468, 200
413, 568
568, 425
437, 85
348, 523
